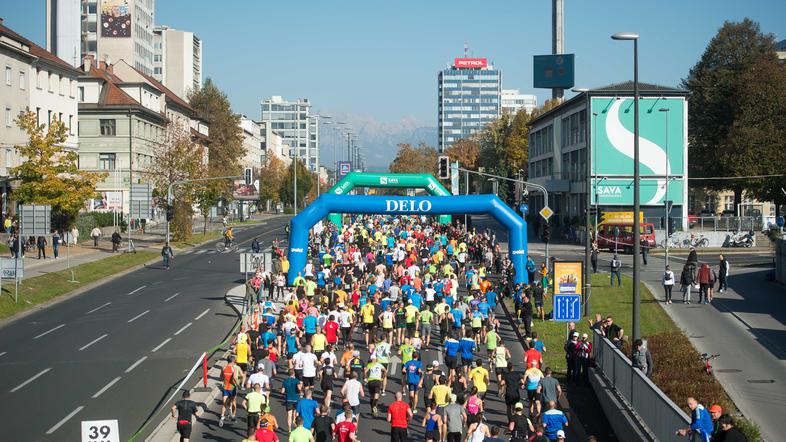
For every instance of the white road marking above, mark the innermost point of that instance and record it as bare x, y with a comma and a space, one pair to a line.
195, 319
136, 290
106, 387
184, 327
161, 345
50, 331
65, 419
139, 316
98, 308
170, 298
136, 364
187, 252
93, 341
199, 252
41, 373
1, 354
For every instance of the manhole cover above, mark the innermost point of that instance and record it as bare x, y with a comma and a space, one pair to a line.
728, 370
761, 381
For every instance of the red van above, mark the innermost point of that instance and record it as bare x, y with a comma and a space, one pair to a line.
619, 236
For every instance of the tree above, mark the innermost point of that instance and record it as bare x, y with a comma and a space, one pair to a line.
271, 178
304, 183
226, 148
465, 151
49, 174
717, 83
176, 157
420, 159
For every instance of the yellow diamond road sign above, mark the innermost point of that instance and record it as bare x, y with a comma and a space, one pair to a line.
546, 212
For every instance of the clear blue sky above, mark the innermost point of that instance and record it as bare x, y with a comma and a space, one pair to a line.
381, 58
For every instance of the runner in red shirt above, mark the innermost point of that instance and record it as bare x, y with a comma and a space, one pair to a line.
399, 415
346, 430
533, 355
331, 330
264, 434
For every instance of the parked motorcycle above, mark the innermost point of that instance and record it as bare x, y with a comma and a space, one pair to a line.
742, 239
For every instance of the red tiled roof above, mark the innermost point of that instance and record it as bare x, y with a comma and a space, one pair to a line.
113, 95
169, 94
200, 136
36, 50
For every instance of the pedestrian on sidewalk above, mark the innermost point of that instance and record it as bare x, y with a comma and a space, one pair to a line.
41, 244
687, 280
116, 241
645, 248
668, 283
723, 274
55, 244
95, 234
255, 247
616, 265
704, 278
167, 254
594, 257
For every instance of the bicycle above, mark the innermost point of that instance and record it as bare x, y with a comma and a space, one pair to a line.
707, 359
696, 241
221, 246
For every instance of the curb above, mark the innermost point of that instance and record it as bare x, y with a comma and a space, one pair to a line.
166, 430
576, 424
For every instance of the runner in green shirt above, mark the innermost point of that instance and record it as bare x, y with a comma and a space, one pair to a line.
406, 350
491, 341
375, 373
300, 434
426, 318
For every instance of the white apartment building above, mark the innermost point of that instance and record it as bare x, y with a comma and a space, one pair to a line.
298, 129
512, 101
177, 59
108, 30
36, 80
253, 143
274, 145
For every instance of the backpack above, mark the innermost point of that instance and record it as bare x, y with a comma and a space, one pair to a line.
667, 276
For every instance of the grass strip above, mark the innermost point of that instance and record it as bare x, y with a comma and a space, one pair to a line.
39, 289
196, 239
670, 348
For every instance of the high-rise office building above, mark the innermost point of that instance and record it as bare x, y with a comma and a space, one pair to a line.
177, 59
106, 29
297, 128
511, 101
469, 99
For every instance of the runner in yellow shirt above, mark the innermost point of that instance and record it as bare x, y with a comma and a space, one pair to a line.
367, 316
480, 378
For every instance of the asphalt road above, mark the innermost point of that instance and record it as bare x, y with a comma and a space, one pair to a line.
116, 351
370, 429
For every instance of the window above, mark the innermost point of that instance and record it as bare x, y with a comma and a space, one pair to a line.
8, 75
8, 118
60, 85
70, 124
38, 78
51, 82
108, 127
728, 202
81, 93
106, 161
22, 80
38, 116
8, 157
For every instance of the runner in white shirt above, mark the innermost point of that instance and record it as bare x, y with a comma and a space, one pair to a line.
352, 391
259, 378
308, 363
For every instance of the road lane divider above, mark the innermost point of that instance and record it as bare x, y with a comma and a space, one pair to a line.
135, 290
136, 364
50, 331
93, 341
106, 387
65, 419
198, 317
183, 328
36, 376
98, 308
170, 298
139, 316
161, 345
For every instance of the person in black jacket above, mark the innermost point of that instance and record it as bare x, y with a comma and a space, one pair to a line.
729, 433
255, 247
41, 245
116, 241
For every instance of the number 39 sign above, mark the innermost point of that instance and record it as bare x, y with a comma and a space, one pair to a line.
100, 431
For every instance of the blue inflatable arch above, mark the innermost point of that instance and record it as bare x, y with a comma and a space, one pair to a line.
422, 205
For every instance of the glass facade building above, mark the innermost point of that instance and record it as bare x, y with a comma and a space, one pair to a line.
297, 129
469, 99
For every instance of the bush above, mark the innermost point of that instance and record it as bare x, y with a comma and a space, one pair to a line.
87, 221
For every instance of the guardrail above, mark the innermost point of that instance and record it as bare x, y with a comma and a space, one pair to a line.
655, 410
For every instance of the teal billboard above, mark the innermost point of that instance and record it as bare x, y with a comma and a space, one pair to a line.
613, 192
612, 123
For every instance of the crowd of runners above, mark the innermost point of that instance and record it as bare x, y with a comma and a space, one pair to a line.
348, 342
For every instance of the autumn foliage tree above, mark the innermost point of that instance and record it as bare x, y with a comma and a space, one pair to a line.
415, 159
271, 178
50, 174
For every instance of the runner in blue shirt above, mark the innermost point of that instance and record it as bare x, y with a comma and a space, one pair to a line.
414, 371
451, 354
291, 386
458, 316
416, 299
491, 298
467, 346
310, 326
306, 408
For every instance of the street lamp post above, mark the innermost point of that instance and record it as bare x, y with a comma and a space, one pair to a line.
665, 111
587, 202
636, 186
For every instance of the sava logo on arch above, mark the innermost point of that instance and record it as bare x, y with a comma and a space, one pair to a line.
613, 191
407, 206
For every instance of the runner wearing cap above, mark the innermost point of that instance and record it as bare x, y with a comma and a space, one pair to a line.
519, 427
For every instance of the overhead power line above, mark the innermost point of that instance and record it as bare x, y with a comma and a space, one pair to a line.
738, 177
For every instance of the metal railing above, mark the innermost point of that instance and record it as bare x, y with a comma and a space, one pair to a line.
721, 223
657, 412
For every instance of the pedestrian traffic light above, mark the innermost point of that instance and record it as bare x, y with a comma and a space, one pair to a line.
546, 232
248, 176
443, 167
170, 212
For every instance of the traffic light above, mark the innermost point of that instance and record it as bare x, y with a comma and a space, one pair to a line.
248, 176
170, 212
443, 167
546, 232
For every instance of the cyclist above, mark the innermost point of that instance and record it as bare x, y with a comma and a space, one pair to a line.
229, 237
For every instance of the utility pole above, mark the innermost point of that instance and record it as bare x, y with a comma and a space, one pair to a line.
557, 37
